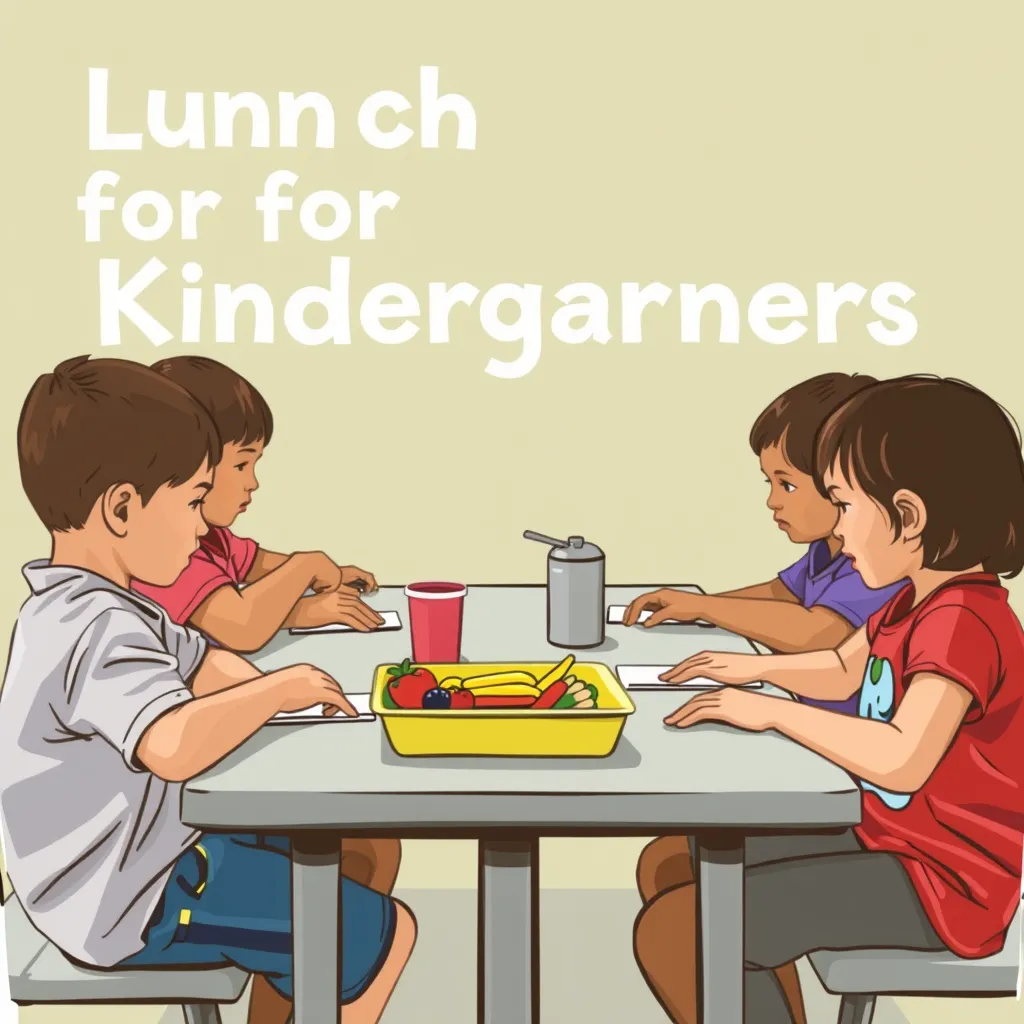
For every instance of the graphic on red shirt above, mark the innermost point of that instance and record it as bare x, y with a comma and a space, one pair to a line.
961, 836
222, 559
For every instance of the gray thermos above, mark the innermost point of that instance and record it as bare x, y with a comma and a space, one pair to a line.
575, 591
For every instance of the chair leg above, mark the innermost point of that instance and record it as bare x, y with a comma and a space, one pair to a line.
856, 1009
201, 1013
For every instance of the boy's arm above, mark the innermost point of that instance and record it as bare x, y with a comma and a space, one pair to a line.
220, 670
783, 625
191, 738
263, 563
819, 675
245, 620
775, 590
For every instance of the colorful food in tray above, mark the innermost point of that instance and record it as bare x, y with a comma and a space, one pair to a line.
410, 688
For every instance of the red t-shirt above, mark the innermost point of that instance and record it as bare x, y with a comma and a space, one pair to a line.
960, 837
221, 558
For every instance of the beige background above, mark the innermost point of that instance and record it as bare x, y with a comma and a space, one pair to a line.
731, 142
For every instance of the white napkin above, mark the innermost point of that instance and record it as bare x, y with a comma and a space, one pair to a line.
360, 701
645, 677
392, 620
617, 612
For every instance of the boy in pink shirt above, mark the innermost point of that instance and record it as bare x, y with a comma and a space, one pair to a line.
208, 594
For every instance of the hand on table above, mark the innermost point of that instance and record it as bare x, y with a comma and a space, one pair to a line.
304, 686
665, 604
353, 574
342, 605
718, 666
741, 708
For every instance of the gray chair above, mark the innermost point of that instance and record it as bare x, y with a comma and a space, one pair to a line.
860, 976
41, 974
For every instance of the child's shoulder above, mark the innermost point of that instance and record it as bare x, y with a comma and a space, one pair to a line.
66, 600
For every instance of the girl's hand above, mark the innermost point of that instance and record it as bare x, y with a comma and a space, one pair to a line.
750, 711
719, 666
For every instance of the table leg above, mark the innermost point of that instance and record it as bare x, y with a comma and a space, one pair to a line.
316, 918
720, 896
508, 981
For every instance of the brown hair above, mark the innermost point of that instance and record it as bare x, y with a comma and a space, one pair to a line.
92, 424
237, 409
950, 444
795, 417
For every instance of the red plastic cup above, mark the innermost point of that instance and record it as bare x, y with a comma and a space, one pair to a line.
435, 618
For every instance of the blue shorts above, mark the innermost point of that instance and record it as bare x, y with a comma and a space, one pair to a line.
229, 900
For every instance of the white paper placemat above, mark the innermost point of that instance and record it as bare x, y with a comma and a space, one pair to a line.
392, 620
360, 701
617, 612
645, 677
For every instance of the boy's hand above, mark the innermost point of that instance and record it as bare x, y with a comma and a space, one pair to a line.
304, 686
353, 574
750, 711
665, 604
719, 666
341, 605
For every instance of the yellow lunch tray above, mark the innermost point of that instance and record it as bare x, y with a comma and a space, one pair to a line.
507, 732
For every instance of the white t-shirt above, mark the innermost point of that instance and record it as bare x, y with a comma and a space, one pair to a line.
90, 835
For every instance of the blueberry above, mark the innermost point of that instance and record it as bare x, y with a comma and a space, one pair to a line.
437, 699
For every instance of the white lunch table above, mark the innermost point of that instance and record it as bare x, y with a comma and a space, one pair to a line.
318, 782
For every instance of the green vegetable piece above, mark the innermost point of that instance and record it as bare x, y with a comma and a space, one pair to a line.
567, 700
593, 692
387, 700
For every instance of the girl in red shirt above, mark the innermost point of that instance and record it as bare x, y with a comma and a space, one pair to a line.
929, 481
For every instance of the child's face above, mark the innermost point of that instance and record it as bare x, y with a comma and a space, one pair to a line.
798, 507
233, 483
160, 537
867, 535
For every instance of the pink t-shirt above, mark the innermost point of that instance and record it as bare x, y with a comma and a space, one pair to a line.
222, 558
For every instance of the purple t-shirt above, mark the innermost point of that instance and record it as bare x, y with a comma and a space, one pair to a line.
818, 579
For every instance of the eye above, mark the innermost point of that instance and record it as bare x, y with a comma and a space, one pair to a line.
196, 504
788, 487
240, 466
841, 505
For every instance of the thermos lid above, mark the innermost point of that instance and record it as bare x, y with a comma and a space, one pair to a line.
578, 550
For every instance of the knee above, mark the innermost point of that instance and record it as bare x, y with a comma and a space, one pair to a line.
665, 928
664, 863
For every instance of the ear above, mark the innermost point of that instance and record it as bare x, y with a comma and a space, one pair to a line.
117, 502
913, 515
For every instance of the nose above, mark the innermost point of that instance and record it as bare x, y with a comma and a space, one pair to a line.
773, 501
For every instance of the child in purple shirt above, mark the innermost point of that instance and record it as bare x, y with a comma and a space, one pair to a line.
815, 604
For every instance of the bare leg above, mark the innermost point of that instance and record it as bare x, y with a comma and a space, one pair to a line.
665, 947
664, 863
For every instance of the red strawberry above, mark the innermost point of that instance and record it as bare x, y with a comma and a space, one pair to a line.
407, 685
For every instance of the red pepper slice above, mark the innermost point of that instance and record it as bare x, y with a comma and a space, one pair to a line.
551, 695
498, 701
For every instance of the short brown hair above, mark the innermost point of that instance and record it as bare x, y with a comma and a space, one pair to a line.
950, 444
237, 409
795, 417
92, 424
